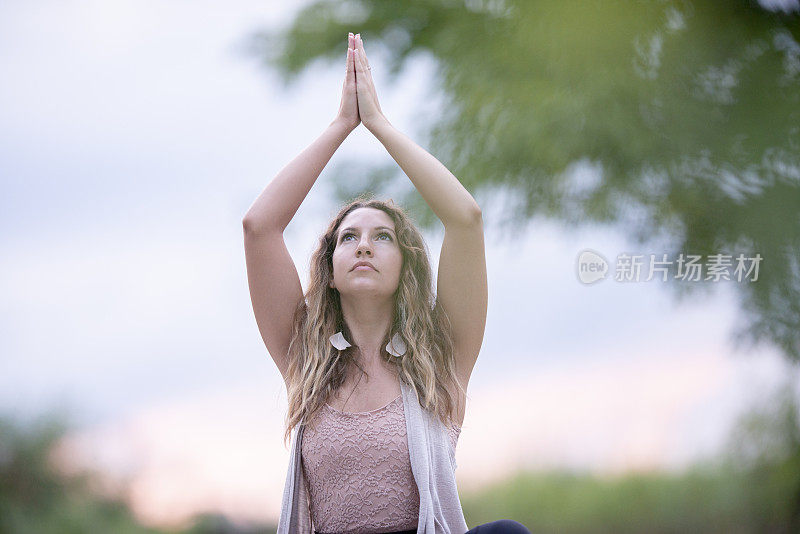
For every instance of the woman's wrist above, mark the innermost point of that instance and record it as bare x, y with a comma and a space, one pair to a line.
375, 126
342, 124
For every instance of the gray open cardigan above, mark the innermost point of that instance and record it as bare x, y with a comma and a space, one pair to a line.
433, 464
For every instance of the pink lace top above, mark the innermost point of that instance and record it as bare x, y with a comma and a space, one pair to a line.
358, 470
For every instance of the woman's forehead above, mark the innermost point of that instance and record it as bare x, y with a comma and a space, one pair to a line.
368, 217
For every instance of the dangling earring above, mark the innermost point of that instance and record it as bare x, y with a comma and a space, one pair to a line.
396, 347
338, 341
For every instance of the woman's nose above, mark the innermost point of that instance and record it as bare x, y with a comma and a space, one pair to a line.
364, 248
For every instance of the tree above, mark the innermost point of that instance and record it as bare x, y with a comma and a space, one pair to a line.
36, 496
688, 112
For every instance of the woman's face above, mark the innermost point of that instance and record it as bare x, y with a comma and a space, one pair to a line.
367, 234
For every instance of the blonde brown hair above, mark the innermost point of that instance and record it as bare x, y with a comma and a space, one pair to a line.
317, 368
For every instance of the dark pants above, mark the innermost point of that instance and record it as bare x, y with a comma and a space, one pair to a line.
501, 526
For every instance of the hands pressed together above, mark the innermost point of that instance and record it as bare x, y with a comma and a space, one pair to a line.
359, 99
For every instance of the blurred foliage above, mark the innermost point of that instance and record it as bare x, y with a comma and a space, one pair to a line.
753, 486
686, 115
36, 497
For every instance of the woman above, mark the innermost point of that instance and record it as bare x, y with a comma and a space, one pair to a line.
375, 366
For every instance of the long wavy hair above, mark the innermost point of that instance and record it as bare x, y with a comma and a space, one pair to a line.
317, 368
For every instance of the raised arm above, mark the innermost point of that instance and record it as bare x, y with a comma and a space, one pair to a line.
279, 201
462, 282
277, 204
275, 289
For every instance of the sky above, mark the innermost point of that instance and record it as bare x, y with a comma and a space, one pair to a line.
134, 136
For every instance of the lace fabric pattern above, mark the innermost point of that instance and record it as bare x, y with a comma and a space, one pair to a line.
358, 470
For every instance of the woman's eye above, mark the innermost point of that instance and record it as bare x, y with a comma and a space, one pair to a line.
345, 236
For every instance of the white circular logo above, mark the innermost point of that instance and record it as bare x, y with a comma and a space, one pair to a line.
591, 266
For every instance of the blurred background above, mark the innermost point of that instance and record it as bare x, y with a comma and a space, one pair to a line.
136, 394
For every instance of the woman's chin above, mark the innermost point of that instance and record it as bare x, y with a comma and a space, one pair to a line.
359, 290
